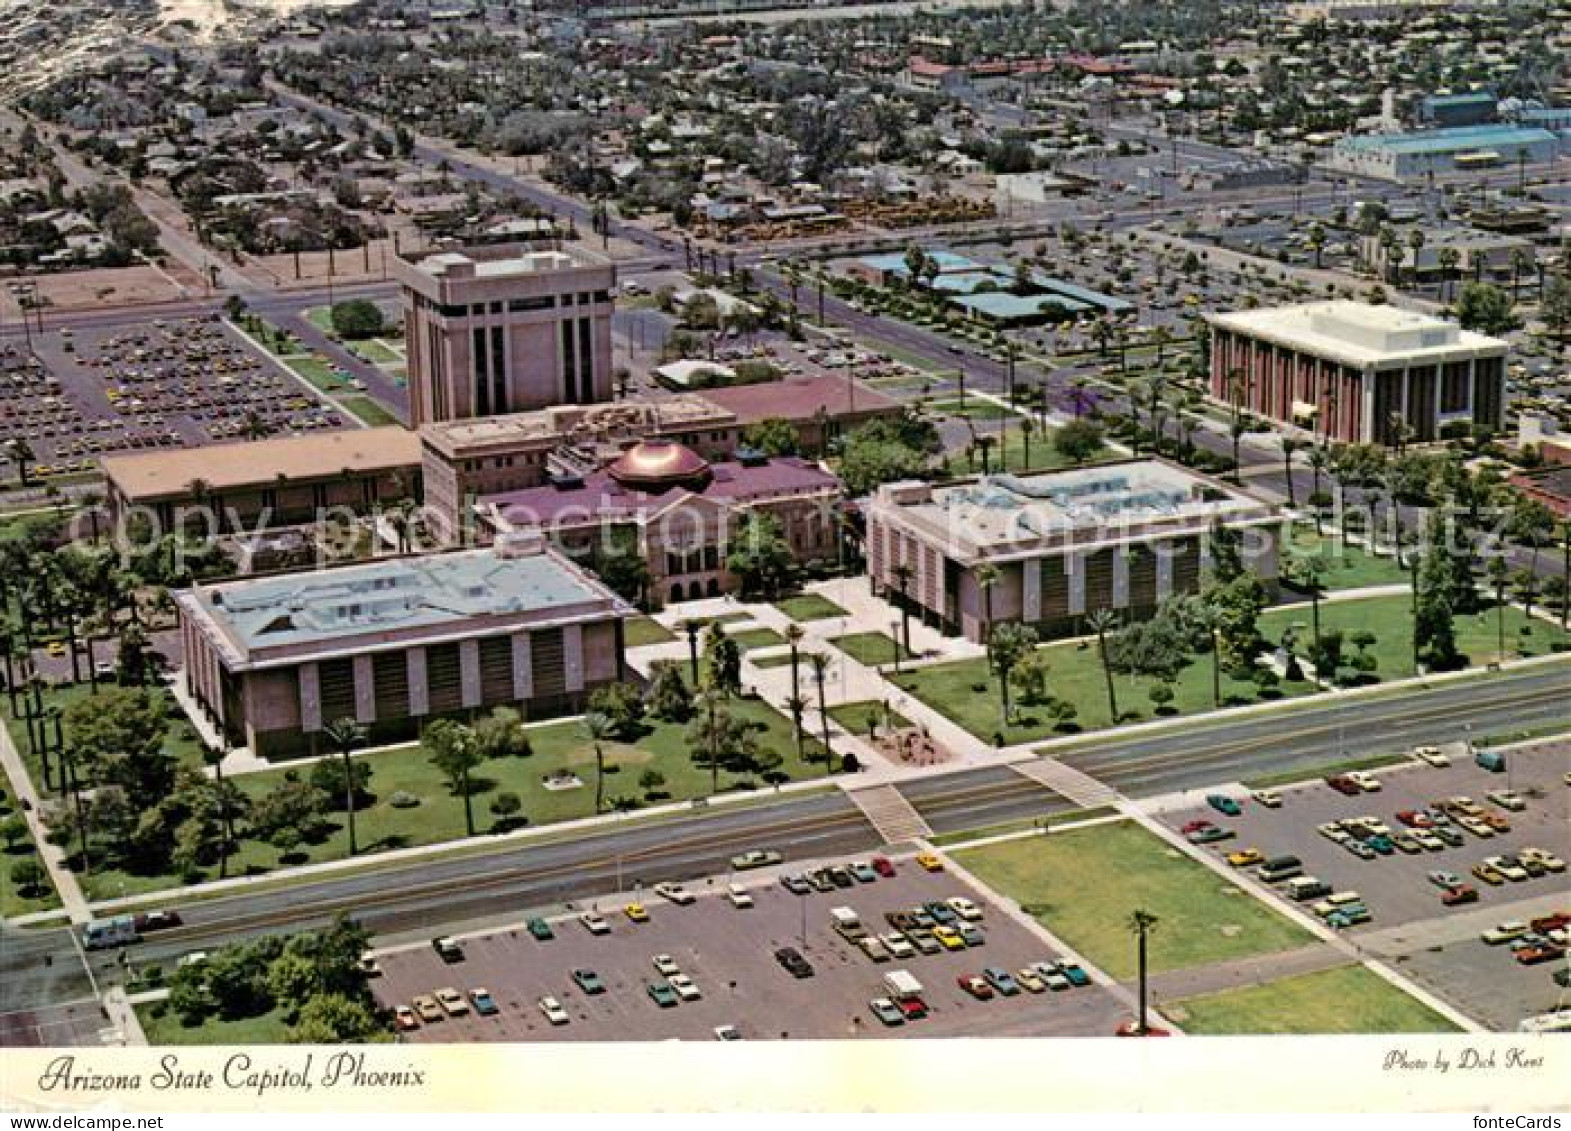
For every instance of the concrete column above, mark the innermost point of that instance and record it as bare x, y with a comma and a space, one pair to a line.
573, 656
419, 688
1031, 590
523, 669
1164, 568
365, 690
469, 672
1366, 429
1075, 574
1121, 577
310, 698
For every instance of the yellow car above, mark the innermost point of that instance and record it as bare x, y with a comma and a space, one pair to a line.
931, 862
1489, 874
427, 1008
636, 912
56, 648
949, 938
1244, 857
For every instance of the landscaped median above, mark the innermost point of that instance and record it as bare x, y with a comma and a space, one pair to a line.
1083, 885
1344, 999
25, 886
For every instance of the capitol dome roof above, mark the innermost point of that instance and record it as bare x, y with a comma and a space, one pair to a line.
658, 464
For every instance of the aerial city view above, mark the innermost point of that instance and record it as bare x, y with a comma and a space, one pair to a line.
775, 520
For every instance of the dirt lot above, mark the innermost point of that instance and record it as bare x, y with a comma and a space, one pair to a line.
1437, 945
728, 952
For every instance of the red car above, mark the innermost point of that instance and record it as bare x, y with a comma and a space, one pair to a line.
1195, 826
883, 866
976, 987
1453, 897
914, 1008
1344, 785
1414, 819
1555, 922
1545, 952
405, 1018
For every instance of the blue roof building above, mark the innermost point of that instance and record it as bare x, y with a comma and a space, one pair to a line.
1402, 155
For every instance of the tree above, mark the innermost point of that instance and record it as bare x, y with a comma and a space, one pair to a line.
1289, 446
598, 729
1100, 621
722, 661
1007, 646
1238, 604
288, 813
1556, 306
1499, 573
652, 782
1485, 308
620, 562
794, 634
12, 830
1142, 924
669, 698
1078, 440
28, 876
623, 709
501, 734
335, 1019
118, 736
505, 807
455, 753
884, 450
21, 454
986, 578
343, 735
773, 436
903, 574
718, 739
760, 556
358, 318
820, 665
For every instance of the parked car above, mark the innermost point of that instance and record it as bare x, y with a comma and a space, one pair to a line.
727, 1033
863, 872
661, 994
1344, 785
1052, 975
964, 908
1001, 980
1489, 874
1210, 835
485, 1004
739, 897
887, 1011
1540, 952
976, 987
1334, 832
796, 885
636, 912
1462, 893
949, 938
1504, 932
1432, 755
970, 933
1359, 849
1076, 975
428, 1008
1507, 799
665, 965
1415, 818
685, 987
883, 866
1245, 857
897, 945
1444, 880
405, 1019
1549, 860
675, 893
451, 1001
930, 862
1030, 981
447, 950
540, 929
588, 981
1224, 804
554, 1013
1270, 798
595, 923
1507, 867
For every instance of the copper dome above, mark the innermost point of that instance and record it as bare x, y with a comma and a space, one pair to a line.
659, 464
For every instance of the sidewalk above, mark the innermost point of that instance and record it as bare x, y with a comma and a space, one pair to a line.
51, 856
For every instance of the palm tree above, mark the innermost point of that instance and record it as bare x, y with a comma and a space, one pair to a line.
1100, 621
1565, 592
820, 665
598, 729
1319, 461
986, 578
1141, 924
1448, 258
794, 634
1499, 574
21, 453
1026, 428
903, 574
343, 735
1521, 264
692, 627
1289, 446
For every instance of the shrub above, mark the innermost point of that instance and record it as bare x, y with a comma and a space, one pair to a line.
403, 800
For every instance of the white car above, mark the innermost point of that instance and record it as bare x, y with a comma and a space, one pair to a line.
1366, 782
964, 908
684, 987
1432, 755
1510, 869
898, 945
666, 965
1270, 798
1504, 932
1549, 860
676, 893
553, 1011
1507, 799
595, 923
1334, 832
727, 1033
739, 896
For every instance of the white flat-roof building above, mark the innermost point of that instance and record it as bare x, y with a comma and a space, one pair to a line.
1065, 543
1354, 372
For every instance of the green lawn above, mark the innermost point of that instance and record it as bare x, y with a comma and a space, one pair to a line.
371, 411
853, 717
1072, 816
439, 816
871, 648
374, 351
265, 1029
318, 372
1344, 999
640, 631
321, 317
1390, 619
966, 692
974, 408
180, 739
777, 660
1041, 457
757, 638
1084, 884
809, 606
1347, 566
12, 901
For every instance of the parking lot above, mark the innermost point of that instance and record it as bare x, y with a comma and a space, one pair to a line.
1437, 945
162, 384
729, 954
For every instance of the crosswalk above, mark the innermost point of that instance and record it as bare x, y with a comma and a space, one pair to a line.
888, 811
1081, 788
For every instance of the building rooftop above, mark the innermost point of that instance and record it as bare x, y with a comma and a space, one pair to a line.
1360, 334
1008, 307
601, 497
148, 476
1446, 140
394, 597
626, 418
800, 398
992, 516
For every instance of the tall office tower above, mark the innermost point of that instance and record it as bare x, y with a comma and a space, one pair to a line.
503, 328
